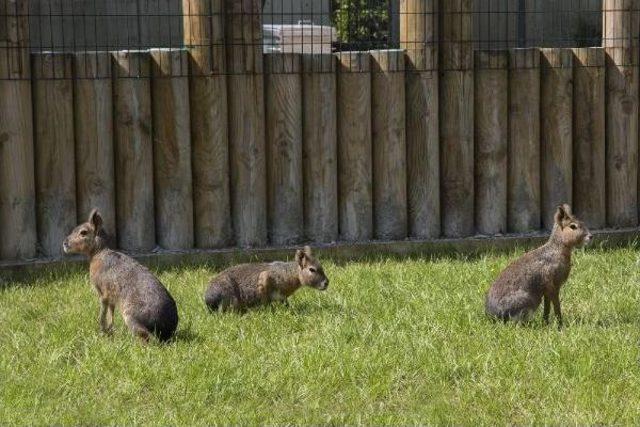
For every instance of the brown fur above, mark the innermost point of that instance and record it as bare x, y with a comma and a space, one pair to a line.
249, 285
120, 281
539, 274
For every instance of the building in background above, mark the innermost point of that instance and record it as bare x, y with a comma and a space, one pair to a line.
139, 24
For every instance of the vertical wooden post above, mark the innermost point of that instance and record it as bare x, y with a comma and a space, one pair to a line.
204, 37
284, 147
320, 146
245, 86
135, 219
491, 140
456, 118
621, 30
17, 183
523, 199
418, 36
54, 148
589, 159
389, 144
93, 121
172, 149
556, 133
354, 146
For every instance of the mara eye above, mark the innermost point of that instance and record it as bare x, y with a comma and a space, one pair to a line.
573, 227
311, 269
83, 233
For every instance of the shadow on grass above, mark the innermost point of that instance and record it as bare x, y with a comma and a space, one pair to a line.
43, 276
186, 335
309, 308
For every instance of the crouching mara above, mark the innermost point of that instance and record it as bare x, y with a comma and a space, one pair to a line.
146, 306
248, 285
539, 274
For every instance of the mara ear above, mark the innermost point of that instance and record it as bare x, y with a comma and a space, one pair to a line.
300, 255
95, 219
561, 214
567, 209
307, 251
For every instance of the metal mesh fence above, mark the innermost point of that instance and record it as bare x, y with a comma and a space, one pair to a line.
231, 29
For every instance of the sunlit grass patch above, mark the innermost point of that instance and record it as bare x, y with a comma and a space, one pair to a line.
390, 342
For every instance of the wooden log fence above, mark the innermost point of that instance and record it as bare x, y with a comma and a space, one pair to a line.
491, 135
523, 187
556, 131
135, 207
93, 111
54, 150
220, 145
355, 175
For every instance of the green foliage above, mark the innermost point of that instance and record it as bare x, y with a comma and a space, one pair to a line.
390, 343
362, 21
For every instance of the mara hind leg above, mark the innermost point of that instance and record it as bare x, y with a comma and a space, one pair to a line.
137, 328
106, 317
223, 296
555, 300
520, 306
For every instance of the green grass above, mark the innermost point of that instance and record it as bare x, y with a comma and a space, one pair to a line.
390, 342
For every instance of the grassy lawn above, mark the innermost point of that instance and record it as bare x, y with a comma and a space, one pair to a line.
390, 342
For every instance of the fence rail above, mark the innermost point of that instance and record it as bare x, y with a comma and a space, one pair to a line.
432, 140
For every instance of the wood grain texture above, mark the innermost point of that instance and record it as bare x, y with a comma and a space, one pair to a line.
245, 93
247, 158
284, 147
93, 121
423, 148
17, 182
621, 26
389, 144
419, 32
54, 150
320, 147
14, 40
355, 178
135, 211
456, 118
622, 140
491, 140
204, 37
456, 35
210, 145
457, 153
524, 141
589, 149
556, 132
172, 149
